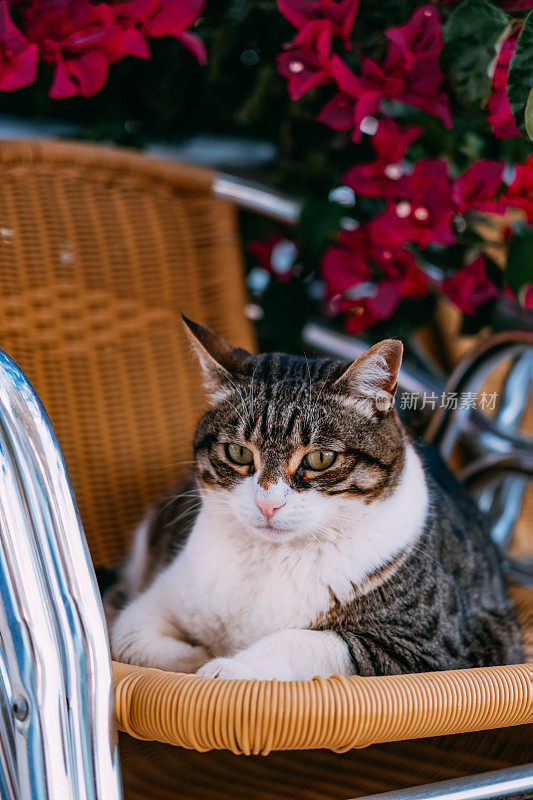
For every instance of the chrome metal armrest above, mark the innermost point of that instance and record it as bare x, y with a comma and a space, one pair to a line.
57, 736
486, 434
498, 482
253, 196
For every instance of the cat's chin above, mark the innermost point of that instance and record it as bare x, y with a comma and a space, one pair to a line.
277, 535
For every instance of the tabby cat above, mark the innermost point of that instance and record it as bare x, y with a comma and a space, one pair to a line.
315, 537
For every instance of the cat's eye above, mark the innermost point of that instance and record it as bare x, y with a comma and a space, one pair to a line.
319, 459
239, 454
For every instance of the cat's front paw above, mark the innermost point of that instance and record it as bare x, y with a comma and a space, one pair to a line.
226, 668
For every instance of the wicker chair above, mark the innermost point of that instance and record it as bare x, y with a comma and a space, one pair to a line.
99, 251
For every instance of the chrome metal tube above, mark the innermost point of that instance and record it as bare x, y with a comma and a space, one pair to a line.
255, 197
57, 732
498, 482
514, 783
446, 426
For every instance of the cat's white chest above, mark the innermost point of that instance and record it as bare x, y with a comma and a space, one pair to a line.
230, 593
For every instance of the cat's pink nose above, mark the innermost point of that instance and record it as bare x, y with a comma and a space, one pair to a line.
268, 509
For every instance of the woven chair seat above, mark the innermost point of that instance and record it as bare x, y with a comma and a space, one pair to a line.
317, 774
100, 251
258, 717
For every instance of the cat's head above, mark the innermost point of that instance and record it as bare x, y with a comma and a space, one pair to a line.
290, 446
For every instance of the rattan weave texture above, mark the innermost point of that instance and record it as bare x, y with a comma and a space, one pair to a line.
338, 713
100, 251
318, 774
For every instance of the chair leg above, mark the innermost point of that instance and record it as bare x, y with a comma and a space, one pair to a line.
57, 736
514, 783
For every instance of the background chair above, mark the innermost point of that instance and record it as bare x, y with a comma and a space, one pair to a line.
100, 250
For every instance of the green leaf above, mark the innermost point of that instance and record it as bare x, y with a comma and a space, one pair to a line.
529, 115
519, 267
520, 76
471, 39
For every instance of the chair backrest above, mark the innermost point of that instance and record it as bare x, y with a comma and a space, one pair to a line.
100, 251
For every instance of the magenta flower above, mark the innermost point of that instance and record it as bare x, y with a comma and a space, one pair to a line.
18, 56
307, 62
500, 116
422, 208
419, 38
470, 287
477, 188
367, 279
527, 296
520, 193
173, 18
338, 113
81, 38
414, 50
304, 69
311, 17
73, 34
367, 90
380, 178
410, 74
275, 255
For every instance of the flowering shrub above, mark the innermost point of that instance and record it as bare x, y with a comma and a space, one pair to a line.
80, 39
422, 233
414, 116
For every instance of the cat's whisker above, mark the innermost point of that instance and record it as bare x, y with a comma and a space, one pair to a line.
188, 512
172, 464
237, 412
245, 407
309, 396
412, 547
252, 393
317, 401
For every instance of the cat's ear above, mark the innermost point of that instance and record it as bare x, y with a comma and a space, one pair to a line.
221, 362
374, 374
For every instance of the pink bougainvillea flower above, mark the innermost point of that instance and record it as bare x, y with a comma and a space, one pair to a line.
410, 74
344, 265
307, 62
366, 90
338, 113
18, 56
80, 38
527, 296
304, 70
477, 188
72, 35
163, 18
347, 277
422, 89
128, 18
500, 116
419, 38
421, 210
379, 178
276, 255
338, 15
413, 52
400, 266
516, 3
470, 287
173, 18
520, 192
367, 279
